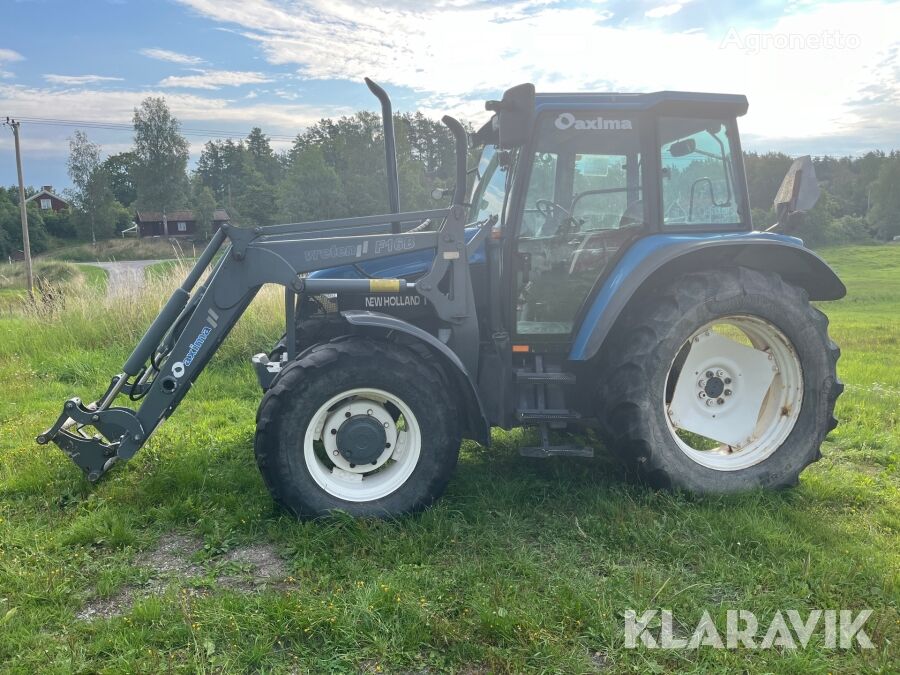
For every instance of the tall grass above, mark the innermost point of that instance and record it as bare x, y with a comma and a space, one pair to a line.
128, 249
72, 320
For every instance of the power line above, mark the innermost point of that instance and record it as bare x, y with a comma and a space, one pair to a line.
120, 126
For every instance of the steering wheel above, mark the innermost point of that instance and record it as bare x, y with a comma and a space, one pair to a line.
548, 209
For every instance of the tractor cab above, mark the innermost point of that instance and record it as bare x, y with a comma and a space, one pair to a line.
578, 178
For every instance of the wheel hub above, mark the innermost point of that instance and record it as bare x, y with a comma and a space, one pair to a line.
361, 439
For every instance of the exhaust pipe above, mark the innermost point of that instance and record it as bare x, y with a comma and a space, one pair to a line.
390, 150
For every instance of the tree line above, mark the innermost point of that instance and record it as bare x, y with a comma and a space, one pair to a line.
335, 168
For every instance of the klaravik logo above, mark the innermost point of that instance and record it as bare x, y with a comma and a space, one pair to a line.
568, 120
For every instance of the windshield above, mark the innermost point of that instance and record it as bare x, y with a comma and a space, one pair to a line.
487, 196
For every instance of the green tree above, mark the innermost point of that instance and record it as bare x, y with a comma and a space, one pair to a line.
120, 170
884, 213
93, 197
311, 190
204, 206
162, 155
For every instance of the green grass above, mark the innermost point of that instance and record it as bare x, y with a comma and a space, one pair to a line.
525, 565
52, 279
126, 249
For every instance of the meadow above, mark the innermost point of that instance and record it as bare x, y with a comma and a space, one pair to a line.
178, 561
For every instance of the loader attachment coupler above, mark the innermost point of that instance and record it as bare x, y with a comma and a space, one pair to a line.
96, 453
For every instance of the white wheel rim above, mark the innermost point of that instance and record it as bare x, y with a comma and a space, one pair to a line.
357, 483
761, 393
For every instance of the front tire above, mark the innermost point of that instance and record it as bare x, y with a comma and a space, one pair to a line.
723, 381
364, 426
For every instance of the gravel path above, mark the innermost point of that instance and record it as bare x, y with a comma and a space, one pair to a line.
124, 275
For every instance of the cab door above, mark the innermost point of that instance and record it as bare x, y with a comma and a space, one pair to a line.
583, 202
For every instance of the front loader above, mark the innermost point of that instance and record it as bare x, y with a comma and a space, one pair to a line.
601, 272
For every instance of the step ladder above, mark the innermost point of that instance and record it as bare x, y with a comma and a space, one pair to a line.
535, 386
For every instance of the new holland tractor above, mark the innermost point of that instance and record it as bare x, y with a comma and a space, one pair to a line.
602, 271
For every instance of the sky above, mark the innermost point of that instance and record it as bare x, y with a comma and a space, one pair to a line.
821, 77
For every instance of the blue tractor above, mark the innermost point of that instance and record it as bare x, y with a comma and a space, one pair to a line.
602, 271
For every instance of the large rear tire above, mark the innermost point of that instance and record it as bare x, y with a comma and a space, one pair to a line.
722, 381
365, 426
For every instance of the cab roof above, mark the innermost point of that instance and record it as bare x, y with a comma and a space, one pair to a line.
663, 102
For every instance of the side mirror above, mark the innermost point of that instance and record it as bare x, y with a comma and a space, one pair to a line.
799, 190
682, 148
515, 115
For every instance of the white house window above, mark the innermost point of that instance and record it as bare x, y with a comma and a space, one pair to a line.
182, 227
45, 204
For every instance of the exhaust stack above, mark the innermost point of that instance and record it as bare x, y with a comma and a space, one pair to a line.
390, 149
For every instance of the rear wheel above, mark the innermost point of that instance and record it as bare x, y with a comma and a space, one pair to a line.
364, 426
723, 382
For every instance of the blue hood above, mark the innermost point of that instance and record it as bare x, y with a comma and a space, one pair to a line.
400, 266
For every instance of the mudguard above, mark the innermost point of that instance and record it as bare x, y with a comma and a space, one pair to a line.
655, 259
476, 425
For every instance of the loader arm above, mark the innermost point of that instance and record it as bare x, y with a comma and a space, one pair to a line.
193, 323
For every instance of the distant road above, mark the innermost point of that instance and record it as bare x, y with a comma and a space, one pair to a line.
125, 276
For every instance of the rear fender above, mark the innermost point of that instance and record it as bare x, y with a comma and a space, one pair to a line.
474, 423
657, 259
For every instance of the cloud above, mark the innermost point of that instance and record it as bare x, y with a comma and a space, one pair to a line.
214, 79
79, 80
117, 105
663, 10
172, 57
8, 56
797, 89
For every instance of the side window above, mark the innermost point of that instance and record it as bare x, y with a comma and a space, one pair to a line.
697, 173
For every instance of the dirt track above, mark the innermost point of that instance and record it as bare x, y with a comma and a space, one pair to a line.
125, 275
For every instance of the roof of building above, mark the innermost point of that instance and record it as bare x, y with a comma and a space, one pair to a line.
49, 194
172, 216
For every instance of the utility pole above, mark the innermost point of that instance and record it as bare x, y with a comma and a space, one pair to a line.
23, 210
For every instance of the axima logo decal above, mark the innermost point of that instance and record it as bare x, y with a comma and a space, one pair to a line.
568, 120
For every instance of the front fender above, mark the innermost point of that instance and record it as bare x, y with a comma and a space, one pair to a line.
475, 425
659, 258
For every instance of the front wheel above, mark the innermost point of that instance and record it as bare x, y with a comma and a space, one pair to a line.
364, 426
725, 381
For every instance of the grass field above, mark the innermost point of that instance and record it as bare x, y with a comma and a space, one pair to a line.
51, 276
125, 249
178, 560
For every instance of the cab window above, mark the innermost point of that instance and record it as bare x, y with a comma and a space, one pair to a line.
490, 188
697, 173
582, 204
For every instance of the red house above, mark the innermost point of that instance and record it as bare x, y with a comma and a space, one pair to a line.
47, 200
181, 223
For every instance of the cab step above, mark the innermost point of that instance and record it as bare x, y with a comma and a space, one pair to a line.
547, 450
532, 377
556, 451
538, 415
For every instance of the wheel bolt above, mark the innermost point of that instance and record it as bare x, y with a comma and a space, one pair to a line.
334, 432
353, 466
727, 380
334, 452
387, 445
702, 394
347, 414
720, 401
369, 411
709, 373
727, 392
